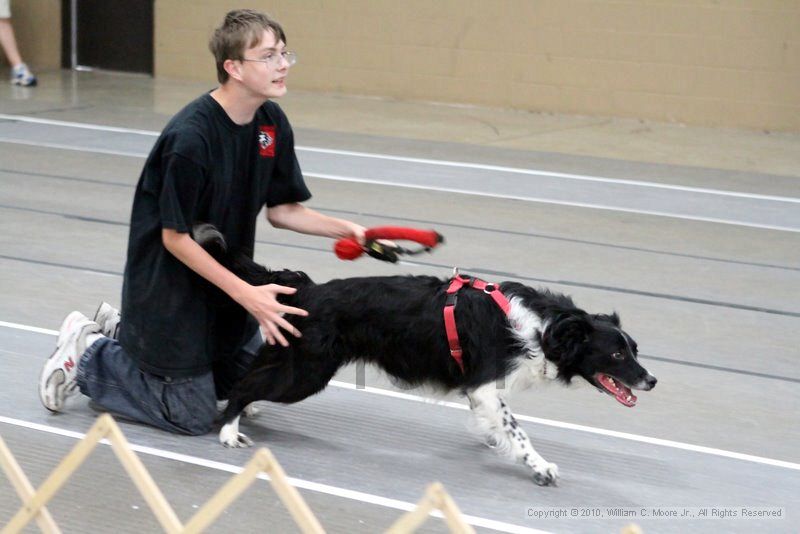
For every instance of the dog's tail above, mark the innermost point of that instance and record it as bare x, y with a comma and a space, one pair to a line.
242, 265
207, 236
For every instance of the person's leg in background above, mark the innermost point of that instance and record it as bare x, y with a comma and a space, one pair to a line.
20, 73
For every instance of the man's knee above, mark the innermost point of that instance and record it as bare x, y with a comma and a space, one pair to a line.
191, 404
200, 426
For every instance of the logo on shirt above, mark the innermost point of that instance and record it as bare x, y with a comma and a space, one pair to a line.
266, 141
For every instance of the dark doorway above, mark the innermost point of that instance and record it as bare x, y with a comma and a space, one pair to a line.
111, 34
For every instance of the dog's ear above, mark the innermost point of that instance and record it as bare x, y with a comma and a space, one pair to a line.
563, 339
289, 278
613, 318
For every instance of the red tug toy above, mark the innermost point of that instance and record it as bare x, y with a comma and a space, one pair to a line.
350, 249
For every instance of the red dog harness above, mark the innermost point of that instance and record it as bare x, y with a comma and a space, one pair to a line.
456, 283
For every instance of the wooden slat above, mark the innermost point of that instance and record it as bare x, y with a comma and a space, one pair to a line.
57, 477
24, 488
141, 477
435, 498
263, 461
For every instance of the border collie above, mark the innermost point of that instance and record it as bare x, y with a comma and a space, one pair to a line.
396, 323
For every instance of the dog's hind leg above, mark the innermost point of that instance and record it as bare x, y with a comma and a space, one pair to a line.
494, 419
241, 398
270, 375
280, 374
251, 410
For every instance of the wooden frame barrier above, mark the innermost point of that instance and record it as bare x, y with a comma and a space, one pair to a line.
33, 507
23, 487
105, 427
435, 498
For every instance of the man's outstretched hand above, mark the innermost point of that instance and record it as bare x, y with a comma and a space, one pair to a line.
262, 303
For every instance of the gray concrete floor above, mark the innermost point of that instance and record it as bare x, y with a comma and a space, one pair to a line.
713, 305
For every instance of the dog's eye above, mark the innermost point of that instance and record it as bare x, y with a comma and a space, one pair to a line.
617, 355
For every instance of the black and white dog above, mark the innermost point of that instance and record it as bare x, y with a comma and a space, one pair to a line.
396, 323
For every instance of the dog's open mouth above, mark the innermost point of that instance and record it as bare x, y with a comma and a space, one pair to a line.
614, 387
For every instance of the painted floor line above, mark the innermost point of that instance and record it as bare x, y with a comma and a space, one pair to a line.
426, 161
537, 420
551, 201
551, 174
589, 429
27, 328
79, 125
72, 148
298, 483
389, 183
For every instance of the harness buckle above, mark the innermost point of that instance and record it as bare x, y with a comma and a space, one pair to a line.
451, 299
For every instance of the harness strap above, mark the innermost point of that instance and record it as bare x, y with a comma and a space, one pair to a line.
456, 283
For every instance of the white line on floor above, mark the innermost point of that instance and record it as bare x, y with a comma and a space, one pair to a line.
537, 420
583, 428
17, 326
79, 125
425, 161
550, 201
388, 183
296, 482
73, 148
551, 174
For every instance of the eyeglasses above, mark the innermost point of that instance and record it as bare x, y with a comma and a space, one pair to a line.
273, 59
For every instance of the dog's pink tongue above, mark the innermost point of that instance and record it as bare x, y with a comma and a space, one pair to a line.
621, 392
626, 397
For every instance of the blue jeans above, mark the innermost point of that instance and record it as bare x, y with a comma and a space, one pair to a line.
181, 405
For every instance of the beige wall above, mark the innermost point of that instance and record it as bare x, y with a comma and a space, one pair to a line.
709, 62
37, 25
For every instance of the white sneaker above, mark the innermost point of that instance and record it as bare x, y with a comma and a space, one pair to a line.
59, 375
108, 318
22, 75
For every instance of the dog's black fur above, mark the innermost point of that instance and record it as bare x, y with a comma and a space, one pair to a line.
396, 323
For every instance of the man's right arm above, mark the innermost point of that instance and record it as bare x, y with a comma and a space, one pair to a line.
260, 301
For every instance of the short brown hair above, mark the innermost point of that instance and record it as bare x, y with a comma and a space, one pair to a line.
241, 29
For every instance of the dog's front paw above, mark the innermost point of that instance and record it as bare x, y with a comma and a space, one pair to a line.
545, 474
240, 441
492, 441
230, 437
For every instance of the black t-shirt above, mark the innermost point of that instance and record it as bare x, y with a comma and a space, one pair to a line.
203, 168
